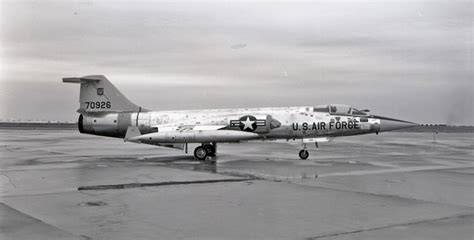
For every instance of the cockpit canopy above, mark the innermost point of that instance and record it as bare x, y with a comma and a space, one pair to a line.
339, 109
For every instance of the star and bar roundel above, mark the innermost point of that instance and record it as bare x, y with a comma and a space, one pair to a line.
248, 123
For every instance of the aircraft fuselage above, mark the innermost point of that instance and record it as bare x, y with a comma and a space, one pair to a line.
268, 123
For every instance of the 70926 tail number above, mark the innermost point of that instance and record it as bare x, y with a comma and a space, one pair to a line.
98, 105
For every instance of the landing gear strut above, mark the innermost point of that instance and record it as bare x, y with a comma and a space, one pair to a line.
204, 151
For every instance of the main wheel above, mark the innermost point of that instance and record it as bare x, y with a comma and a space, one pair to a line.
304, 154
200, 153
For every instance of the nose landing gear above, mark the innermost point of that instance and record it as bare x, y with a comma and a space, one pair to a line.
304, 154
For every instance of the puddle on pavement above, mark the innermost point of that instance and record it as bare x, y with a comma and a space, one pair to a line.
92, 204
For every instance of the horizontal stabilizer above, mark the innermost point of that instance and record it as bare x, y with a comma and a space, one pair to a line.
81, 79
72, 80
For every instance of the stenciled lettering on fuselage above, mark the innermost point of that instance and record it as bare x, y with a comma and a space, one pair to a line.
325, 126
248, 123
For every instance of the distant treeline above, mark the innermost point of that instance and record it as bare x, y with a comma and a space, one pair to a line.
36, 125
56, 125
439, 128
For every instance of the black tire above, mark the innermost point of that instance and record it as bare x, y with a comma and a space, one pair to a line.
200, 153
304, 154
211, 151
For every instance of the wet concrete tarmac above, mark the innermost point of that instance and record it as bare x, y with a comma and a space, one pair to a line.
390, 186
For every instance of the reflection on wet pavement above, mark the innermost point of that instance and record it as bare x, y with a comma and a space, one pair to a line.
356, 187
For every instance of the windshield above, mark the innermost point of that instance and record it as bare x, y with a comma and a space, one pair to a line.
358, 112
338, 109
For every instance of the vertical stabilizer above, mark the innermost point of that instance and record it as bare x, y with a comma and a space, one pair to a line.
98, 94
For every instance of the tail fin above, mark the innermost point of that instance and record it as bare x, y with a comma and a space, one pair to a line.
99, 95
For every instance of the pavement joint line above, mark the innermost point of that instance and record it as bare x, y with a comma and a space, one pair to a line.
138, 185
389, 226
36, 193
39, 169
9, 179
39, 220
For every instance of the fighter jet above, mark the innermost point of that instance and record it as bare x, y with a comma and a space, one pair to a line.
105, 111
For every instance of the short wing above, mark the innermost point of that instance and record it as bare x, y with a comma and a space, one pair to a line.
199, 136
181, 128
167, 135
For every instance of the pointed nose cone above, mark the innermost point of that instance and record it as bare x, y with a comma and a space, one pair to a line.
389, 124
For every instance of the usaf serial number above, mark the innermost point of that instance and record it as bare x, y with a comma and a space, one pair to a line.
98, 105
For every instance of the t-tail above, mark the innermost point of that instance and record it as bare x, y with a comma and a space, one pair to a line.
103, 109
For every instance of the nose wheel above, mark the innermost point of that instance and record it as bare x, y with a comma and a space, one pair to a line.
304, 154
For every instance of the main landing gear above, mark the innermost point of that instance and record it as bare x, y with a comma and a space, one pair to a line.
204, 151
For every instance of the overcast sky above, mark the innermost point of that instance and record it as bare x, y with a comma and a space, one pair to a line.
404, 59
